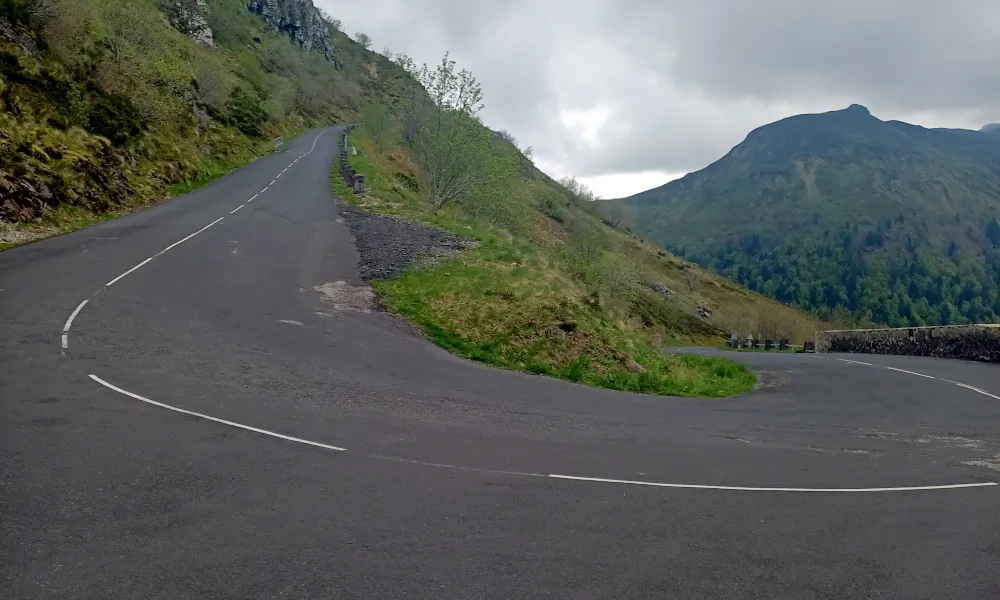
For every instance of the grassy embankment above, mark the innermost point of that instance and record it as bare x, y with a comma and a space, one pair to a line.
105, 107
540, 298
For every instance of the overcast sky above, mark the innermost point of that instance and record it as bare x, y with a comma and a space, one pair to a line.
627, 94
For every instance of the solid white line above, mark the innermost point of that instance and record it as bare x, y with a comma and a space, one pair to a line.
854, 362
771, 489
975, 389
236, 209
217, 420
120, 277
911, 372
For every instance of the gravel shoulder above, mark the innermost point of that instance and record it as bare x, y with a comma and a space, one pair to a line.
388, 245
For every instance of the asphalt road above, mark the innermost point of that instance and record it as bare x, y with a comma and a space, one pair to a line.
443, 488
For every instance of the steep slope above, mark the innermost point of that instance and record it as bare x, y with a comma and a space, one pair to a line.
109, 105
842, 212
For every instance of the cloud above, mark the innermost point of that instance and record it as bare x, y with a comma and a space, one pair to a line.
606, 88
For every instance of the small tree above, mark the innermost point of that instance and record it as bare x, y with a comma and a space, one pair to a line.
378, 122
449, 143
363, 40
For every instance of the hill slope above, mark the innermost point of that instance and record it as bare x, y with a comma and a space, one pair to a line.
842, 212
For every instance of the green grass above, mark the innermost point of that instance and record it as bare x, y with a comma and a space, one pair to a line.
511, 303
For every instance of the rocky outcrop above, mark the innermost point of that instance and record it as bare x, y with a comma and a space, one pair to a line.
19, 37
969, 342
190, 17
300, 19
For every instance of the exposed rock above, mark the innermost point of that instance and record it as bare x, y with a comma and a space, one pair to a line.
301, 20
659, 288
970, 342
190, 17
22, 39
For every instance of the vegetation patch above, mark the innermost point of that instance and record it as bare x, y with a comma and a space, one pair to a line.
560, 295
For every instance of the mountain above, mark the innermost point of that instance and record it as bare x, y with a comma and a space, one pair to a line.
842, 212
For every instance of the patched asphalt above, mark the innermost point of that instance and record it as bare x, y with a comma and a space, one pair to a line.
264, 320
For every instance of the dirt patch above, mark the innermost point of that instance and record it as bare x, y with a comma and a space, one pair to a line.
989, 463
340, 296
769, 380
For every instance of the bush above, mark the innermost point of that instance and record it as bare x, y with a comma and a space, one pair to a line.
246, 112
115, 117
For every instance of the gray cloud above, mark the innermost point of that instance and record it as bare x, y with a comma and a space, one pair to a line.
599, 87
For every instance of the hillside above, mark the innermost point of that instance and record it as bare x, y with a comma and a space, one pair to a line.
110, 106
841, 213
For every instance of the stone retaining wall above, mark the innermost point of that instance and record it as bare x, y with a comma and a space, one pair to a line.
969, 342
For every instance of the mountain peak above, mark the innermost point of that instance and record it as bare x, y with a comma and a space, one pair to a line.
857, 108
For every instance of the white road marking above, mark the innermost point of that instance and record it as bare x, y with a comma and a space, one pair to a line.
550, 475
854, 362
265, 189
175, 244
278, 176
778, 489
252, 198
975, 389
291, 322
215, 419
69, 323
911, 372
236, 209
272, 182
167, 249
120, 277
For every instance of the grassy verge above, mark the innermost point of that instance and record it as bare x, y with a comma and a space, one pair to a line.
513, 303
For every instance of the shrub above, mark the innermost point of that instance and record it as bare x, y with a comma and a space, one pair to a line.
246, 112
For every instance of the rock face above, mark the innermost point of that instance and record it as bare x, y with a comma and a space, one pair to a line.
300, 19
969, 342
190, 17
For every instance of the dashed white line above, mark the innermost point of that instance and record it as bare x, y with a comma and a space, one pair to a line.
854, 362
252, 198
272, 182
167, 249
265, 189
178, 243
232, 212
69, 323
974, 389
911, 372
215, 419
734, 488
122, 276
915, 488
